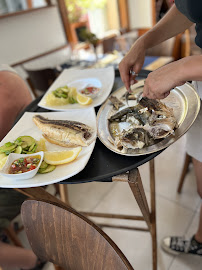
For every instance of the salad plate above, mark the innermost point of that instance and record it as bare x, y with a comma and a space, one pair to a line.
26, 127
102, 79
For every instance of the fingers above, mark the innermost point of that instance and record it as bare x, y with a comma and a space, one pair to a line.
127, 73
152, 93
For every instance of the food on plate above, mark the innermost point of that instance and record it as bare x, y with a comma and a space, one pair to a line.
45, 167
3, 161
24, 164
61, 157
58, 97
116, 102
41, 145
84, 100
64, 132
66, 95
144, 124
22, 145
90, 91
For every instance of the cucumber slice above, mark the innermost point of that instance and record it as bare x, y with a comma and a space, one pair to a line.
32, 147
18, 149
26, 139
44, 165
24, 145
9, 148
50, 168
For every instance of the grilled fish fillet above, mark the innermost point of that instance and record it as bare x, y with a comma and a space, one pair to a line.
64, 132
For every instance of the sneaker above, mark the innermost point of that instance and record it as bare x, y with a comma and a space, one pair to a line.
177, 245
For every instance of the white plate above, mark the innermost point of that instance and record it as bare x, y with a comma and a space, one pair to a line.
103, 77
25, 126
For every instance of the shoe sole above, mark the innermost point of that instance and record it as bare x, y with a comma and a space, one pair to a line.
169, 250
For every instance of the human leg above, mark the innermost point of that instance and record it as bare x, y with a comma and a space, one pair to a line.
12, 257
198, 173
175, 244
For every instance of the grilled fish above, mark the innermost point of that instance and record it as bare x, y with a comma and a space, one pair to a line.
149, 121
64, 132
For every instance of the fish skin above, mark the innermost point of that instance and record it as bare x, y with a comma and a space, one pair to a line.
64, 132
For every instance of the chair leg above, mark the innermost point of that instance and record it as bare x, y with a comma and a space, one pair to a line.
63, 189
184, 172
13, 237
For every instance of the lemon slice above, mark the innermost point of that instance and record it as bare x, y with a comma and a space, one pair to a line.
72, 95
84, 100
41, 145
61, 157
3, 161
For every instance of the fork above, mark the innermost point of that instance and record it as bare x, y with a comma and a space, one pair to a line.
129, 91
127, 95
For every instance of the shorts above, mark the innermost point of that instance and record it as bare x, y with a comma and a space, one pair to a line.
10, 204
194, 134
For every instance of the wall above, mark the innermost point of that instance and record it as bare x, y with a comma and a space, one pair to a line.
140, 13
30, 34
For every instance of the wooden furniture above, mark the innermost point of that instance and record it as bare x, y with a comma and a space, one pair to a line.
185, 169
122, 168
41, 79
59, 234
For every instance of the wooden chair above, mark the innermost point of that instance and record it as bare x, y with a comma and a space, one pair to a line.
41, 79
59, 234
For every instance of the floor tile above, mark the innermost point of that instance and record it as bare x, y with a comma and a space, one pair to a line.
171, 219
168, 167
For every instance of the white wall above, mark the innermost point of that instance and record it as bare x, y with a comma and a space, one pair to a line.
140, 13
30, 34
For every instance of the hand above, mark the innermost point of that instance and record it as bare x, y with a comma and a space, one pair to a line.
159, 82
134, 60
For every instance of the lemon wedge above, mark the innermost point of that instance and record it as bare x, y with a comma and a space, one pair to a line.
61, 157
84, 100
3, 161
72, 95
41, 145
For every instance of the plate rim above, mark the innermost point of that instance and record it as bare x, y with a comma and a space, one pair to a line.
84, 163
111, 69
153, 151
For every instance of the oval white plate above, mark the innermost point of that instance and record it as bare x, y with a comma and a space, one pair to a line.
68, 77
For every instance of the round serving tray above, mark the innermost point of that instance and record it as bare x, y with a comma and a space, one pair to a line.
185, 103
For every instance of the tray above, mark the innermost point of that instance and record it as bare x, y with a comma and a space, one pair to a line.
185, 103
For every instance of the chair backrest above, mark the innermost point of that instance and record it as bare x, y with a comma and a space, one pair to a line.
108, 43
41, 79
69, 239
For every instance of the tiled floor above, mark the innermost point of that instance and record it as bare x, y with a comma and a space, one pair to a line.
176, 214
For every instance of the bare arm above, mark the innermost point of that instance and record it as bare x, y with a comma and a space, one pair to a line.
170, 25
159, 82
173, 23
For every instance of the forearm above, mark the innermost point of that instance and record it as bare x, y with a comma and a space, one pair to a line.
191, 68
169, 26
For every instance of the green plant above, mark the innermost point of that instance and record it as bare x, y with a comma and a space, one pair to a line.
89, 37
76, 8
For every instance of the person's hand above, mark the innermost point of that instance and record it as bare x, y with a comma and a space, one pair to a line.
159, 82
133, 61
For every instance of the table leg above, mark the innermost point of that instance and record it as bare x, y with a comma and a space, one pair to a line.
153, 212
135, 183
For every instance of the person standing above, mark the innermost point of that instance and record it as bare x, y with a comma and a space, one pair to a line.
180, 17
